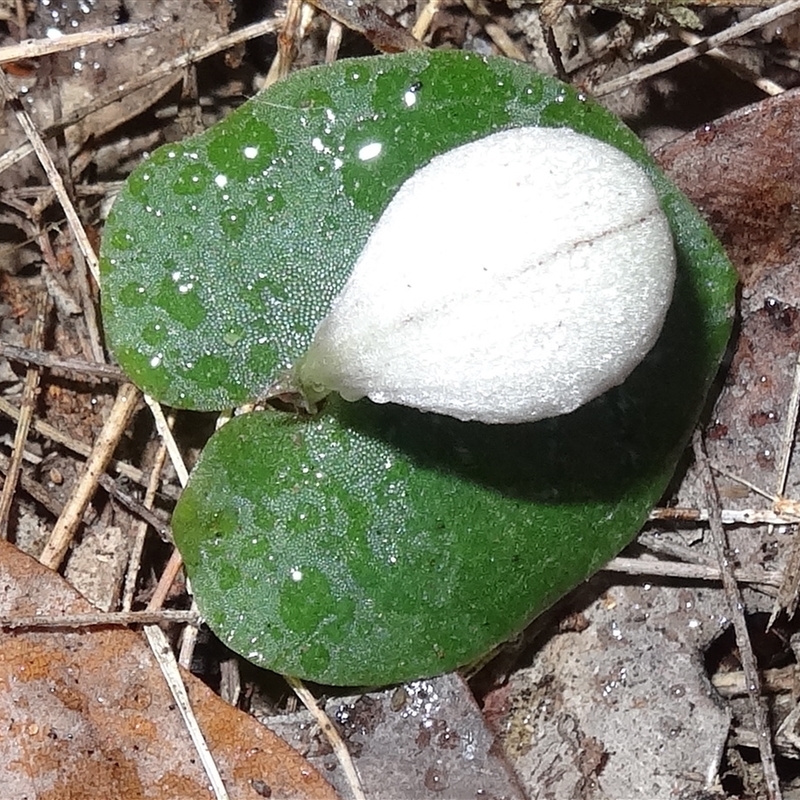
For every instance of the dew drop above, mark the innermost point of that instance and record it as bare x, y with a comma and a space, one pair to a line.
233, 336
233, 223
369, 151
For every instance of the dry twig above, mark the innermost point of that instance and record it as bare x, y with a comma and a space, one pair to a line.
141, 529
331, 734
67, 524
70, 366
692, 572
702, 47
54, 434
169, 668
101, 618
24, 421
736, 611
123, 90
424, 20
790, 590
35, 48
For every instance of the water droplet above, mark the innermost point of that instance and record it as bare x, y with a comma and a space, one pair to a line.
138, 184
233, 223
435, 779
121, 239
133, 295
180, 301
185, 239
272, 200
192, 179
369, 151
233, 335
154, 334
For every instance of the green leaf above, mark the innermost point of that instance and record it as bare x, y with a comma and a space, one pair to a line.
373, 544
223, 252
376, 544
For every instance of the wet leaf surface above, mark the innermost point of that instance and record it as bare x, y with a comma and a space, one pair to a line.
301, 535
223, 252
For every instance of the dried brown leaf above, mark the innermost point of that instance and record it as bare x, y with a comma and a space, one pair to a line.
87, 713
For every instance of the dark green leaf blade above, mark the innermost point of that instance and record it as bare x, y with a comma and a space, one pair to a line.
222, 253
376, 544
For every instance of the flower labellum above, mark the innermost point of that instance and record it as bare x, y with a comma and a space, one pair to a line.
510, 279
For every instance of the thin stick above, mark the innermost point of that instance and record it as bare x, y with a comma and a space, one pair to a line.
735, 66
81, 190
169, 668
333, 41
67, 524
43, 497
779, 680
96, 618
46, 160
157, 523
165, 432
785, 507
789, 431
165, 581
33, 488
24, 422
736, 611
495, 32
787, 597
753, 23
692, 572
331, 734
189, 637
291, 31
34, 48
729, 516
71, 366
158, 642
188, 643
134, 562
424, 20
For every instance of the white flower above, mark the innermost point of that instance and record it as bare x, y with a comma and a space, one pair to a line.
511, 279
